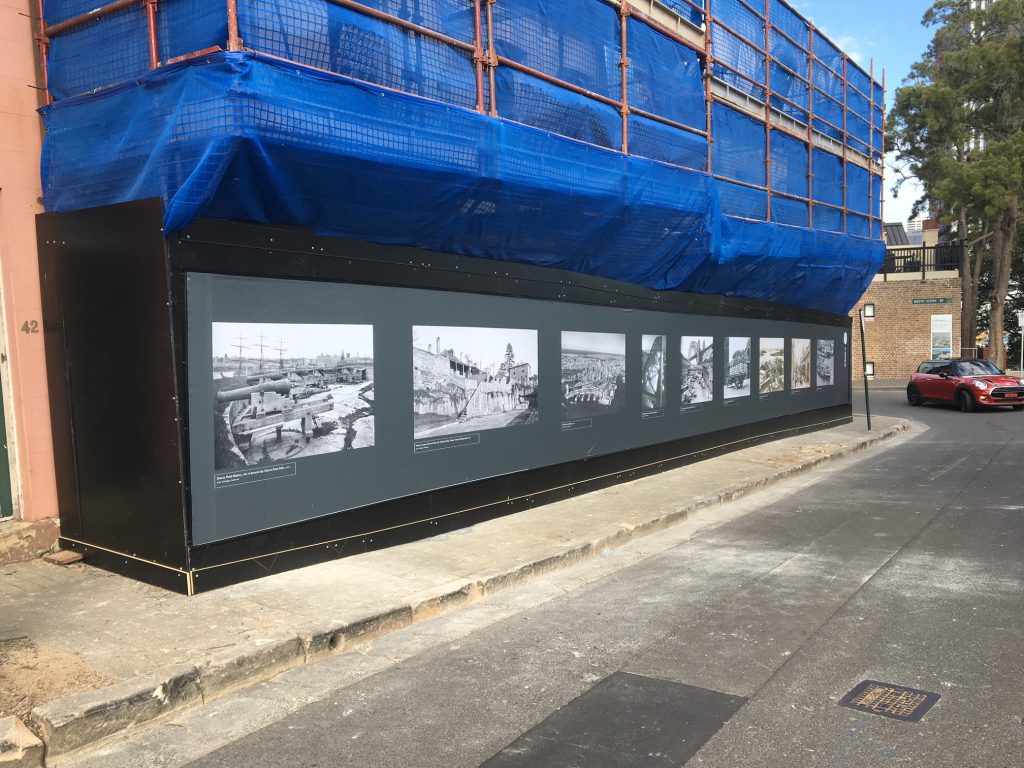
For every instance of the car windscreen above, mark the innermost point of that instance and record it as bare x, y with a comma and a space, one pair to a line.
976, 368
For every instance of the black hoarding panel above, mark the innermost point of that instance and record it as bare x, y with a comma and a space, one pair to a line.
115, 405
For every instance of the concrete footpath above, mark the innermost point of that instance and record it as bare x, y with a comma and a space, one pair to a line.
86, 656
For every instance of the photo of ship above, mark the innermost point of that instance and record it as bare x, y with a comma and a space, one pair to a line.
284, 391
737, 368
468, 379
653, 373
825, 366
698, 366
771, 367
593, 373
801, 364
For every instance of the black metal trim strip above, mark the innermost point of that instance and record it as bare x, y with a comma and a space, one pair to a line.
293, 253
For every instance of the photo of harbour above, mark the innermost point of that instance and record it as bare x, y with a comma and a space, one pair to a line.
284, 391
698, 369
468, 379
593, 373
737, 369
825, 366
653, 373
771, 367
800, 375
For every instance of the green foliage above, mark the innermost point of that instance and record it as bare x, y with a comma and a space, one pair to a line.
957, 124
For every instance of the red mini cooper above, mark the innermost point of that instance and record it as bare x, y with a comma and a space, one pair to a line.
968, 383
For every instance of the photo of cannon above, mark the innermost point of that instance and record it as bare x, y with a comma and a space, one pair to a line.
315, 396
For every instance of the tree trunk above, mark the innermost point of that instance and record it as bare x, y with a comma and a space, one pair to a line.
1002, 262
968, 310
970, 276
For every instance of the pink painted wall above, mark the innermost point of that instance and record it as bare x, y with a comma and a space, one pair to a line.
28, 411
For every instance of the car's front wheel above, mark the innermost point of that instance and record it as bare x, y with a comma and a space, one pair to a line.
965, 401
913, 396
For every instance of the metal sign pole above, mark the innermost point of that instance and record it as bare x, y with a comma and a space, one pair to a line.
864, 367
1020, 324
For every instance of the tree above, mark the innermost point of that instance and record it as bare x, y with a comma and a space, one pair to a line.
958, 125
505, 369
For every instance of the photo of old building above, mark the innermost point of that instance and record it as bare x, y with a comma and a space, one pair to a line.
284, 391
593, 373
825, 366
468, 379
800, 374
737, 368
698, 364
653, 373
772, 366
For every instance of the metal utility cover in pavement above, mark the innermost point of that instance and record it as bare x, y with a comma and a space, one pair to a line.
887, 700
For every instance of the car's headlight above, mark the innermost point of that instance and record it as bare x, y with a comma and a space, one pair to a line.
981, 385
1021, 382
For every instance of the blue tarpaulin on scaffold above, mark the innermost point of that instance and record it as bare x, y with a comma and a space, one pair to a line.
339, 121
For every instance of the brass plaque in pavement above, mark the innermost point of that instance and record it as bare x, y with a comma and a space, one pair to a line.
888, 700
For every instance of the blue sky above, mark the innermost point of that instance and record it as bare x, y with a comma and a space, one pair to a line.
888, 32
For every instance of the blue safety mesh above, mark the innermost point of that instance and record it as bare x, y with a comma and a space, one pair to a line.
664, 77
56, 11
790, 212
452, 17
573, 40
789, 166
738, 63
828, 115
858, 225
738, 151
828, 54
787, 21
342, 142
98, 54
741, 20
859, 79
532, 101
687, 11
796, 93
856, 103
658, 141
187, 26
828, 82
794, 57
827, 178
326, 36
737, 200
802, 264
858, 133
828, 218
858, 188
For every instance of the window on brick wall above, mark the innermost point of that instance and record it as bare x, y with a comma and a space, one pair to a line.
869, 310
869, 368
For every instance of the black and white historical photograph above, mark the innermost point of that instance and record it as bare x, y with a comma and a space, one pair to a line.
737, 367
283, 391
653, 373
825, 366
800, 374
771, 367
593, 373
698, 369
467, 379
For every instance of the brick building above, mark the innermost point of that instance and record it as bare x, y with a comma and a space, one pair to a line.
911, 309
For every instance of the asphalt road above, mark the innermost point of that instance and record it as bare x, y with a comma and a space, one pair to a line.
727, 648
